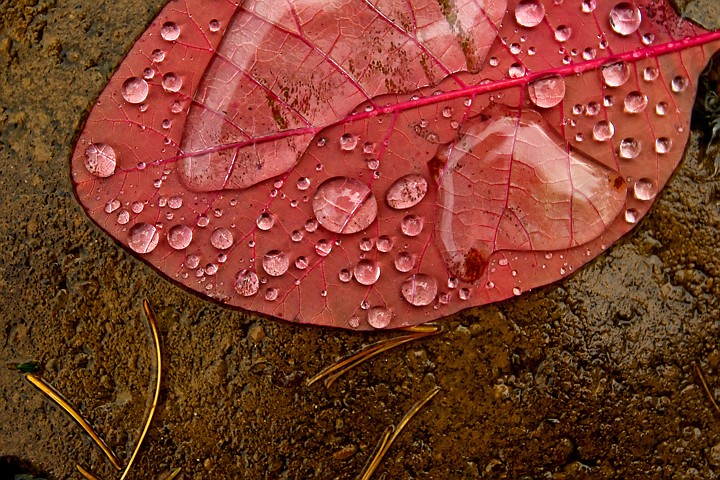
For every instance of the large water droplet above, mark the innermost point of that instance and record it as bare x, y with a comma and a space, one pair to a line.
172, 82
157, 55
179, 237
275, 263
679, 84
344, 205
650, 74
323, 247
616, 74
663, 145
143, 238
348, 142
412, 225
170, 31
246, 283
603, 131
265, 221
135, 90
529, 13
100, 160
645, 189
635, 102
407, 191
625, 18
367, 272
563, 33
419, 289
404, 262
547, 92
221, 238
379, 317
630, 148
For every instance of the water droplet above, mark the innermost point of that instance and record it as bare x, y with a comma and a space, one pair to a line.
630, 148
589, 53
529, 13
616, 74
419, 289
407, 191
679, 84
271, 294
157, 55
192, 261
516, 70
625, 18
135, 90
603, 131
447, 112
166, 124
663, 145
344, 205
384, 244
354, 322
211, 269
635, 102
494, 62
608, 100
169, 31
367, 272
379, 317
246, 283
516, 291
100, 160
221, 238
345, 275
650, 74
311, 225
172, 82
301, 263
214, 25
547, 92
143, 238
366, 244
323, 247
179, 237
578, 109
348, 142
644, 189
373, 163
412, 225
296, 236
203, 221
661, 108
175, 202
303, 183
563, 33
265, 221
275, 263
631, 216
112, 205
464, 294
515, 49
404, 262
588, 6
452, 282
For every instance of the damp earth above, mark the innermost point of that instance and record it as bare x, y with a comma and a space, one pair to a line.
593, 377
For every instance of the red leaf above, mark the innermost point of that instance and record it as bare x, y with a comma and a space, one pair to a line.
360, 164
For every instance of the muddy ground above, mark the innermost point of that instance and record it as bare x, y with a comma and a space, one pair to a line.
592, 378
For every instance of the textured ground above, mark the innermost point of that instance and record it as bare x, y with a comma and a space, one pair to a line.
591, 378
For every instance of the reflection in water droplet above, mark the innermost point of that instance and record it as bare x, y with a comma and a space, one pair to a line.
112, 205
368, 148
419, 289
143, 238
663, 145
588, 6
323, 247
203, 221
547, 92
192, 261
412, 225
271, 294
650, 74
345, 275
367, 272
172, 82
635, 102
625, 18
631, 216
529, 13
494, 62
275, 263
516, 70
265, 221
301, 263
246, 283
100, 160
179, 237
384, 243
221, 238
447, 112
516, 291
404, 262
589, 53
135, 90
175, 202
407, 191
379, 317
303, 183
630, 148
593, 108
563, 33
169, 31
661, 108
645, 189
366, 244
464, 294
679, 84
373, 163
616, 74
603, 131
296, 236
157, 55
348, 142
344, 205
214, 25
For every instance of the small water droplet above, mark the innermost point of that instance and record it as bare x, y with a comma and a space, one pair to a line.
170, 31
516, 291
265, 221
384, 243
515, 48
214, 25
366, 244
603, 131
221, 238
275, 263
578, 109
344, 205
631, 216
650, 74
179, 237
679, 84
447, 112
367, 272
301, 263
296, 235
345, 275
172, 82
157, 55
645, 189
348, 142
516, 70
211, 269
203, 221
464, 293
529, 13
192, 261
404, 262
303, 183
323, 247
135, 90
379, 317
271, 294
616, 74
547, 92
368, 148
246, 283
608, 100
589, 53
588, 6
407, 191
494, 62
625, 18
635, 102
412, 225
143, 238
661, 108
630, 148
175, 202
592, 109
663, 145
311, 225
100, 160
563, 33
373, 163
452, 282
112, 205
419, 289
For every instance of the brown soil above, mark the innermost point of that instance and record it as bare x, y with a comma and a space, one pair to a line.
591, 378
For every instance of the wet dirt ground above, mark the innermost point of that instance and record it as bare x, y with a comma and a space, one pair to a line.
592, 378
